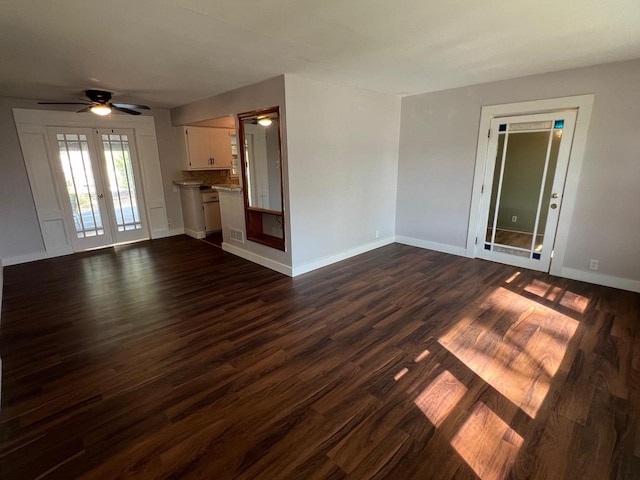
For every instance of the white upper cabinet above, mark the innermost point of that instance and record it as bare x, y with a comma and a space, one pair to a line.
204, 148
220, 141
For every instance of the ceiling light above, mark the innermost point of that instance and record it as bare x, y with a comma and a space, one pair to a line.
101, 109
264, 121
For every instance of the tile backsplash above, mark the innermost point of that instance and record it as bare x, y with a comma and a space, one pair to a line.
210, 177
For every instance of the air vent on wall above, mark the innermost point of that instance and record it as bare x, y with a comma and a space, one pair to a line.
237, 235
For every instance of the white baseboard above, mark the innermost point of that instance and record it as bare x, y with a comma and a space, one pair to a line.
259, 259
338, 257
195, 233
30, 257
438, 247
601, 279
167, 233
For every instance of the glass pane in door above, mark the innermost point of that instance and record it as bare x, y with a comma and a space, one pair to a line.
526, 161
122, 186
80, 183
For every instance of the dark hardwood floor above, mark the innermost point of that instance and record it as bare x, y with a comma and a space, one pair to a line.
173, 359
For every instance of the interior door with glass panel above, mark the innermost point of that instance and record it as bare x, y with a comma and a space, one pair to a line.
527, 162
79, 173
120, 169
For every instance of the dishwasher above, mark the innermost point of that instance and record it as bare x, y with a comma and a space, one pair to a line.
211, 206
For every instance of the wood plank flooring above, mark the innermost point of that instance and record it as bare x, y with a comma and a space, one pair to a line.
515, 239
172, 359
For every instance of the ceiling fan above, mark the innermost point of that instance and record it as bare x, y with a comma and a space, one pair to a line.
100, 104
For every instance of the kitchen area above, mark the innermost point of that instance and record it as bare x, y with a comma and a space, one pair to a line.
231, 185
210, 165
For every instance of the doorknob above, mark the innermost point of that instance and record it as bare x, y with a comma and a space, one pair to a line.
101, 196
554, 195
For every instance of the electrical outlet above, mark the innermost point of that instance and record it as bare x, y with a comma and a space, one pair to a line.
593, 264
514, 219
377, 233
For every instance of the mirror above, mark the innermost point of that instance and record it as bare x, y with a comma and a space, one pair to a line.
259, 145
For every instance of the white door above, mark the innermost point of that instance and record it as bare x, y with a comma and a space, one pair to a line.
121, 171
80, 175
527, 162
98, 171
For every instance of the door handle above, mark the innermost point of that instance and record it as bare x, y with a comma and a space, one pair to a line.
101, 196
554, 195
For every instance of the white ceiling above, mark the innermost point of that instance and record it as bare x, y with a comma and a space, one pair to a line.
170, 52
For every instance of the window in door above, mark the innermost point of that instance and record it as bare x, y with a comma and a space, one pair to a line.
80, 184
122, 186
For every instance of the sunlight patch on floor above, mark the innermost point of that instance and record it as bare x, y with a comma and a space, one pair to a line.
575, 302
543, 290
422, 356
518, 358
440, 397
487, 443
553, 293
512, 277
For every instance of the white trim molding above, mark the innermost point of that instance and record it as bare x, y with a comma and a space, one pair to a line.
259, 259
584, 105
30, 257
438, 247
144, 124
198, 234
338, 257
601, 279
172, 233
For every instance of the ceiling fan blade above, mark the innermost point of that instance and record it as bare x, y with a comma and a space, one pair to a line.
85, 109
130, 105
63, 103
125, 110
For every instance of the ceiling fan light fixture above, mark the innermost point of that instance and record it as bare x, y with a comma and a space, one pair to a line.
264, 121
101, 109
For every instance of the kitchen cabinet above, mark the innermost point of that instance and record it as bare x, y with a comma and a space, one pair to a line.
204, 148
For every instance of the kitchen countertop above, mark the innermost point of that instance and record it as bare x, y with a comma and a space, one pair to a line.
188, 183
227, 187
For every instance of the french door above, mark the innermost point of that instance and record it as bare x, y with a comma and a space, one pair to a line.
97, 172
527, 162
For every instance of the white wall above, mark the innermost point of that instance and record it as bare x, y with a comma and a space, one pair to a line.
20, 235
170, 167
343, 157
439, 133
269, 93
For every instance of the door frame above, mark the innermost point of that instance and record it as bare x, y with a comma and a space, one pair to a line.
32, 126
584, 105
